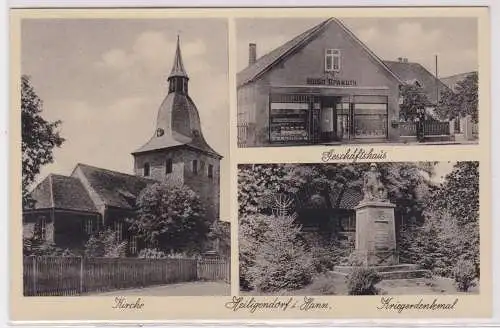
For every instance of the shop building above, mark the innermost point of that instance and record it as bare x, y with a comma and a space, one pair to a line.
324, 86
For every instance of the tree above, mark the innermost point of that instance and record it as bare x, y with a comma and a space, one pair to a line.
220, 233
172, 217
451, 224
414, 101
281, 261
38, 137
461, 101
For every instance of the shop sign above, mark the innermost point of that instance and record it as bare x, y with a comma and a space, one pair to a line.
334, 82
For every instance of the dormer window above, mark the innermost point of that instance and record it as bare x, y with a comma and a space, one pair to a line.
146, 169
332, 60
168, 166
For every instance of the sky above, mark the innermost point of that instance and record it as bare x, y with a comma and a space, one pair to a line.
454, 40
106, 78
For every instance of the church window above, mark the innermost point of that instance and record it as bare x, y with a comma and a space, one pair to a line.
195, 166
133, 245
332, 60
118, 227
40, 229
88, 226
210, 171
168, 166
146, 169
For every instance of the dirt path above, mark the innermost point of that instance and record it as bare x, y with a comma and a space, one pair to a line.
198, 288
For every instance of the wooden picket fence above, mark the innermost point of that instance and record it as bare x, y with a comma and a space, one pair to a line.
69, 276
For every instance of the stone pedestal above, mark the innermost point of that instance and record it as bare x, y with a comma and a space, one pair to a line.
376, 233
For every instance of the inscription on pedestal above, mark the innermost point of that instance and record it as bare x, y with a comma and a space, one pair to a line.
382, 235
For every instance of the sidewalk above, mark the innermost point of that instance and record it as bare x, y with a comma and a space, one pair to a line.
197, 288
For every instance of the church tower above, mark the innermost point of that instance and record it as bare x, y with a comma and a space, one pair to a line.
177, 151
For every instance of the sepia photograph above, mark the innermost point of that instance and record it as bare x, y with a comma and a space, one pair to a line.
124, 155
389, 228
390, 80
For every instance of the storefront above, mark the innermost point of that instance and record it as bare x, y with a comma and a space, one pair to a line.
313, 118
322, 87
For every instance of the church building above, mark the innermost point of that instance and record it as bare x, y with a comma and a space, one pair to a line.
68, 209
324, 86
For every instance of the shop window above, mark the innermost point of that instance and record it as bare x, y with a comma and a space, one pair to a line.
332, 60
168, 166
289, 118
195, 167
146, 169
210, 172
370, 120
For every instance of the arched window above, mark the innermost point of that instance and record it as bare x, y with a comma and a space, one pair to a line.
168, 166
146, 169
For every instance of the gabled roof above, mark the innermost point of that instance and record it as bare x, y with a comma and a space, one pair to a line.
268, 61
62, 192
411, 72
115, 189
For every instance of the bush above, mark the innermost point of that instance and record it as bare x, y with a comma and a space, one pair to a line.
464, 274
362, 281
322, 285
105, 244
148, 253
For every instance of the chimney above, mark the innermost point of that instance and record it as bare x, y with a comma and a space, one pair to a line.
405, 60
252, 53
400, 59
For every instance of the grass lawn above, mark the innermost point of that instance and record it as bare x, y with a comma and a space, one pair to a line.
419, 286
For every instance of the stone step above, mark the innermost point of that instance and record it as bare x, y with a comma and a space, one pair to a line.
390, 274
383, 268
407, 274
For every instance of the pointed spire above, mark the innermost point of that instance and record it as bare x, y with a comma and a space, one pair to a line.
178, 67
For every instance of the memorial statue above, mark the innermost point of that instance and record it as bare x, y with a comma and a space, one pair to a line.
373, 188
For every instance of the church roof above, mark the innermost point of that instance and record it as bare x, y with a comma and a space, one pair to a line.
268, 61
62, 192
114, 188
414, 72
178, 120
178, 67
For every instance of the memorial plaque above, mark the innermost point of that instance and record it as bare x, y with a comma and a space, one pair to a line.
382, 238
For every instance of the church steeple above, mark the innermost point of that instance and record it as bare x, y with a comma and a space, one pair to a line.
178, 78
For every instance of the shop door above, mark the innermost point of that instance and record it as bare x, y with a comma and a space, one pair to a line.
328, 119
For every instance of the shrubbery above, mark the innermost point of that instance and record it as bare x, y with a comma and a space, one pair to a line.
323, 284
362, 281
105, 244
464, 274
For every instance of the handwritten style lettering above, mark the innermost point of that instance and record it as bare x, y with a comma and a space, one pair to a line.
389, 303
353, 155
122, 303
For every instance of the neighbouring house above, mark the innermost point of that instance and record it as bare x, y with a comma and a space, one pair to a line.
68, 209
324, 86
452, 80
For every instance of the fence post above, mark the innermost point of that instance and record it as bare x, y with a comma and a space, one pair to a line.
34, 276
81, 275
